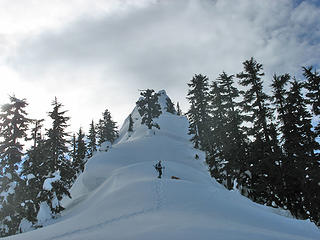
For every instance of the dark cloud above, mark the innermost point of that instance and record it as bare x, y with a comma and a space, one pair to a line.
163, 44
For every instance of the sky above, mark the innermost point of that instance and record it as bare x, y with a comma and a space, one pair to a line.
96, 55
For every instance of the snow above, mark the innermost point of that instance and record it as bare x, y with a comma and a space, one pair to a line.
10, 191
119, 196
47, 184
8, 175
44, 213
30, 176
55, 201
25, 225
105, 146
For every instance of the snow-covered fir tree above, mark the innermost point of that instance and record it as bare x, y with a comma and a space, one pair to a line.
149, 108
92, 140
34, 172
106, 128
58, 169
79, 159
100, 135
13, 127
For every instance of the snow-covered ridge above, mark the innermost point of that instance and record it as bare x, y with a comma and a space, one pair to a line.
119, 196
139, 129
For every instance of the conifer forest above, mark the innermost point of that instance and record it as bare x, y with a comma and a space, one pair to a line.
263, 141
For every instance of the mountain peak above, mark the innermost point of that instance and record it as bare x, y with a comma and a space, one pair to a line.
140, 130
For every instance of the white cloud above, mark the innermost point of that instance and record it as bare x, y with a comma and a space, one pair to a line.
20, 16
102, 59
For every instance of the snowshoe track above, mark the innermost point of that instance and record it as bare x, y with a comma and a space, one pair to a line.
159, 202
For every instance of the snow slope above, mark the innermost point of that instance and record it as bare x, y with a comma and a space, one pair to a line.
119, 197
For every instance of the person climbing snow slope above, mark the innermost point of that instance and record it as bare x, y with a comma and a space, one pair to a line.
159, 168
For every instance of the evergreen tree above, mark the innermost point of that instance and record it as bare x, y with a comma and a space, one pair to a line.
130, 129
92, 144
193, 117
82, 148
107, 129
36, 132
227, 158
255, 101
280, 95
149, 108
313, 95
179, 112
34, 172
263, 167
235, 145
80, 153
301, 161
215, 158
313, 86
100, 132
312, 188
170, 106
13, 127
298, 118
57, 136
58, 166
74, 146
198, 96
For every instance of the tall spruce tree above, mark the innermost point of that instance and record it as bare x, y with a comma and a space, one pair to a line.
13, 127
255, 104
299, 120
235, 146
215, 156
149, 108
313, 95
193, 117
313, 86
301, 161
92, 140
312, 185
228, 141
280, 95
58, 165
36, 134
198, 96
107, 129
80, 153
34, 172
73, 146
100, 132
